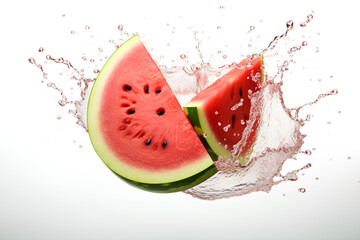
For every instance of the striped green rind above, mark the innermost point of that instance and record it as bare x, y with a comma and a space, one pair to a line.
171, 187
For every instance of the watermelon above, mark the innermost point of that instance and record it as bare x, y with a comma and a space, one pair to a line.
138, 128
220, 113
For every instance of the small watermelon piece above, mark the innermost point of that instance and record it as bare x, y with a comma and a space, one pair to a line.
220, 112
138, 128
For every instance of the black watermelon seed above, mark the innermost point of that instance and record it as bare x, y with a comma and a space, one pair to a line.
148, 142
131, 111
127, 88
240, 92
158, 91
161, 112
233, 118
146, 89
164, 144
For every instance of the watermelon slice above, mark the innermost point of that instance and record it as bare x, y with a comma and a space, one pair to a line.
220, 112
138, 128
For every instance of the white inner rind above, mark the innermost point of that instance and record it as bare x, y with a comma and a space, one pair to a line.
106, 154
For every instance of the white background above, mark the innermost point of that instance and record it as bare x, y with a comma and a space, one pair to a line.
50, 188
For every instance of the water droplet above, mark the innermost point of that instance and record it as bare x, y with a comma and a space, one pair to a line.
216, 112
236, 106
221, 7
72, 32
96, 70
302, 24
219, 123
334, 92
224, 56
225, 146
309, 17
290, 25
87, 27
31, 60
58, 117
291, 176
92, 60
242, 122
84, 58
41, 49
304, 43
252, 27
121, 27
302, 190
182, 56
204, 135
226, 128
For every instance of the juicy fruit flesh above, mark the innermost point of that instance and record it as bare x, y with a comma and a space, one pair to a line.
228, 118
152, 126
222, 110
136, 124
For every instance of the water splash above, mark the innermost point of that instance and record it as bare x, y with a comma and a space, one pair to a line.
77, 106
272, 148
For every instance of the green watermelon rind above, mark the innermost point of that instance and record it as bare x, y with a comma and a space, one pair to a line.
196, 115
181, 182
171, 187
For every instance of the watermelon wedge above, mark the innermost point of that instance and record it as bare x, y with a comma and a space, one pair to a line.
219, 113
138, 128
